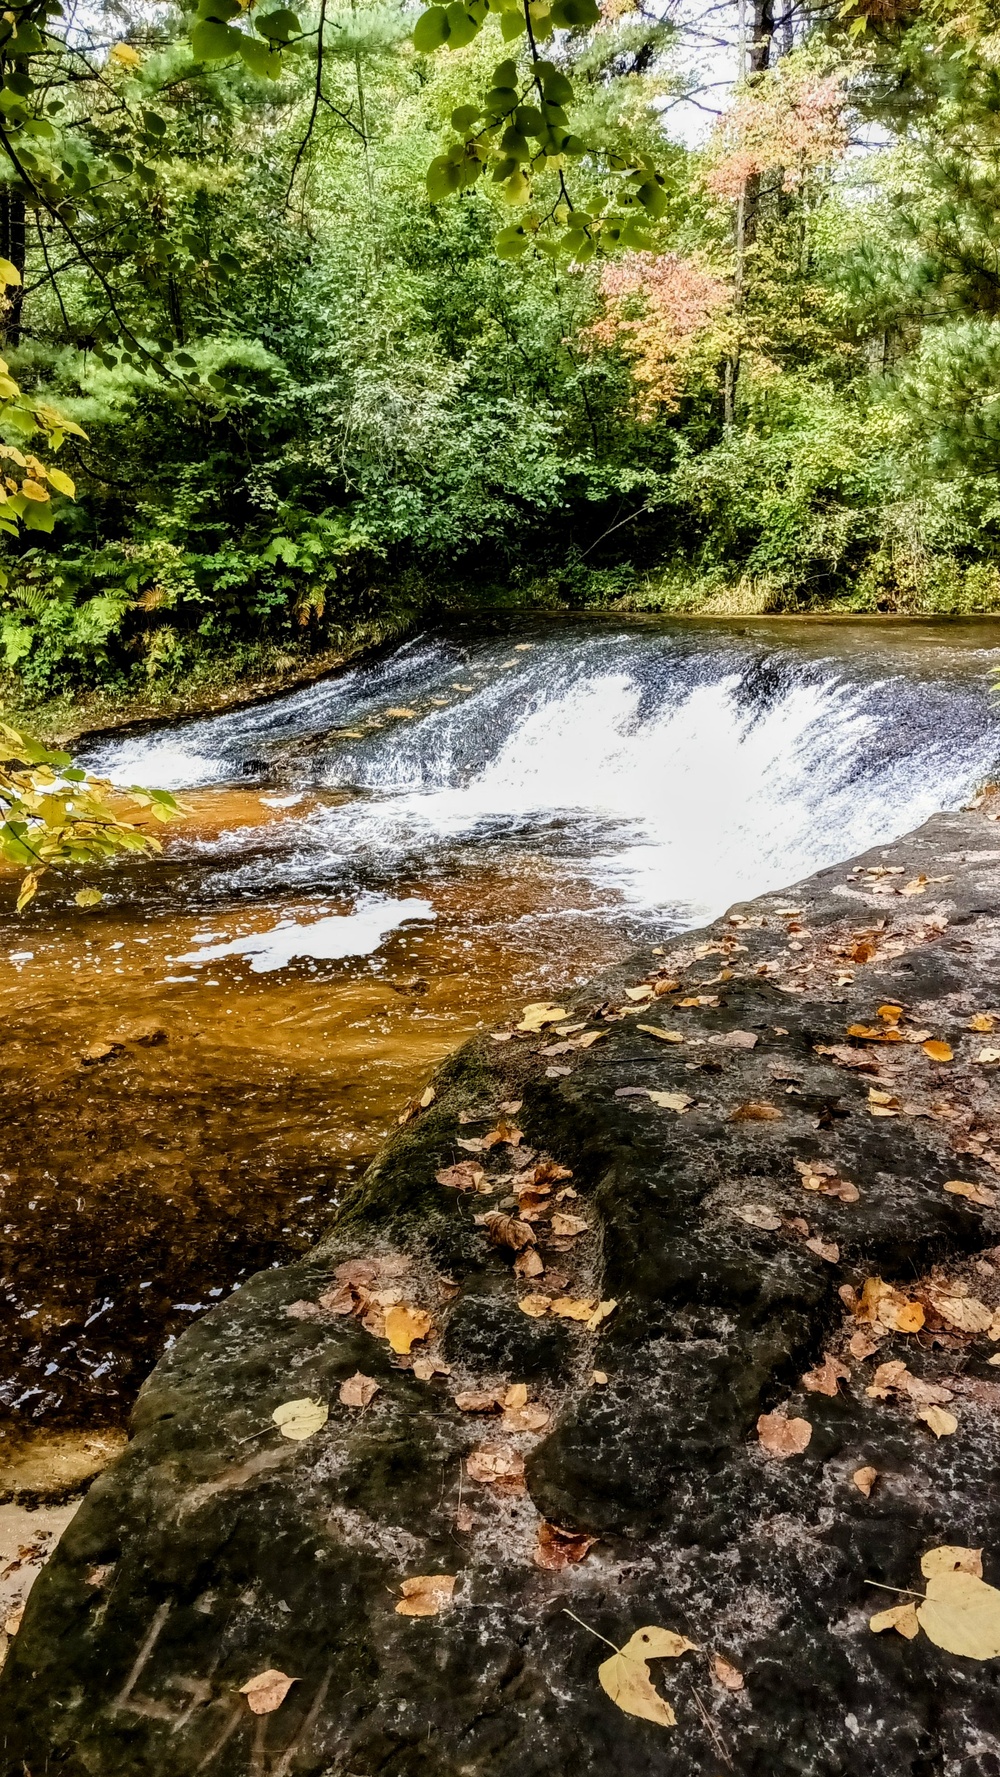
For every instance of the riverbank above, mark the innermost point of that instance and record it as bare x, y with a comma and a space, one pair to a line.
649, 1388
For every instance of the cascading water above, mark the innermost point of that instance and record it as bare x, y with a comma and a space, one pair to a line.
372, 869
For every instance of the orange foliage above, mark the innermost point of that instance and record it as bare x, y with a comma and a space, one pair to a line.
657, 307
793, 119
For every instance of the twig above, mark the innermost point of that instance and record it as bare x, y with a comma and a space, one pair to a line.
317, 95
713, 1732
590, 1631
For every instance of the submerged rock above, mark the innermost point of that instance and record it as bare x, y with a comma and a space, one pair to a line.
721, 1232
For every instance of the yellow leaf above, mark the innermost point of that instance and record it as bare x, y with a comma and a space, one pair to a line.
124, 56
942, 1424
540, 1013
902, 1618
981, 1021
299, 1419
426, 1595
625, 1676
963, 1312
890, 1014
62, 482
980, 1194
951, 1558
938, 1051
267, 1691
88, 897
671, 1101
32, 490
962, 1614
657, 1030
403, 1326
640, 993
781, 1437
535, 1306
9, 273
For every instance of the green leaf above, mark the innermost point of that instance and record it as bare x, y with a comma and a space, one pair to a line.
443, 178
260, 59
430, 30
88, 897
153, 124
573, 15
212, 42
506, 73
38, 518
219, 10
512, 24
652, 197
280, 26
511, 243
464, 117
462, 27
555, 86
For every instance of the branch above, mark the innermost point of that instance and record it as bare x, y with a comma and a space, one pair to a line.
317, 95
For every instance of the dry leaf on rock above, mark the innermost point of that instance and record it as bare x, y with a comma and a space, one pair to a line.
424, 1368
535, 1306
826, 1377
864, 1480
727, 1675
566, 1227
557, 1548
539, 1014
546, 1171
963, 1312
494, 1466
426, 1596
875, 1033
637, 994
951, 1558
845, 1056
902, 1617
938, 1051
588, 1311
824, 1249
941, 1422
530, 1417
359, 1390
755, 1111
339, 1300
267, 1691
299, 1419
670, 1101
781, 1437
625, 1676
700, 999
504, 1132
961, 1614
12, 1623
759, 1215
589, 1038
734, 1039
981, 1021
312, 1310
862, 1345
529, 1263
466, 1176
980, 1194
657, 1030
889, 1014
404, 1326
472, 1400
505, 1230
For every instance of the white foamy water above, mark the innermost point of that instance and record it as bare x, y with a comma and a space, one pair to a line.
338, 935
677, 769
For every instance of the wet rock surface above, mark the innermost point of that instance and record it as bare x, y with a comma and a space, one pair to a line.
733, 1233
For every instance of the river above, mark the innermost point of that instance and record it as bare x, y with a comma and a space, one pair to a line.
373, 868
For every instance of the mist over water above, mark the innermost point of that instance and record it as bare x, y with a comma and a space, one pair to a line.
672, 767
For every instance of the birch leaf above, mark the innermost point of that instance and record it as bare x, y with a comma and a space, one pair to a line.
625, 1676
299, 1419
267, 1691
403, 1326
961, 1613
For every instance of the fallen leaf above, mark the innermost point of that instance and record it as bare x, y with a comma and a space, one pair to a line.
734, 1039
599, 1377
299, 1419
589, 1038
862, 1345
310, 1310
12, 1623
961, 1614
845, 1056
963, 1312
700, 999
535, 1306
657, 1030
505, 1230
529, 1263
472, 1400
359, 1390
729, 1676
504, 1132
824, 1249
901, 1617
981, 1021
942, 1424
536, 1016
557, 1548
951, 1558
494, 1466
864, 1480
755, 1112
530, 1417
626, 1678
645, 992
567, 1227
400, 713
426, 1097
601, 1312
572, 1308
781, 1437
759, 1215
465, 1176
825, 1378
464, 1519
424, 1368
88, 897
938, 1051
267, 1691
889, 1014
404, 1326
975, 1193
426, 1596
874, 1034
670, 1101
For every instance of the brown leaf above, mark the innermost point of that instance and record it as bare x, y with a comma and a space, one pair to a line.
529, 1263
825, 1378
824, 1249
308, 1310
844, 1056
729, 1676
466, 1176
405, 1325
734, 1039
557, 1548
759, 1215
478, 1401
700, 999
963, 1312
424, 1368
464, 1520
975, 1193
861, 1345
426, 1596
492, 1465
864, 1480
504, 1132
267, 1691
359, 1390
530, 1417
567, 1227
781, 1437
546, 1171
755, 1111
340, 1300
505, 1230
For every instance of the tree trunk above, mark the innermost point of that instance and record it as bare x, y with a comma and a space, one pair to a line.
12, 248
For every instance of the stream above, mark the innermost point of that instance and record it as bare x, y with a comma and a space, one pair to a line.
373, 868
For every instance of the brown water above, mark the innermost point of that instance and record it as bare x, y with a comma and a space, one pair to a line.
173, 1119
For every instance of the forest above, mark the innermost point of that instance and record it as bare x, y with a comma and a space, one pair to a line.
320, 321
